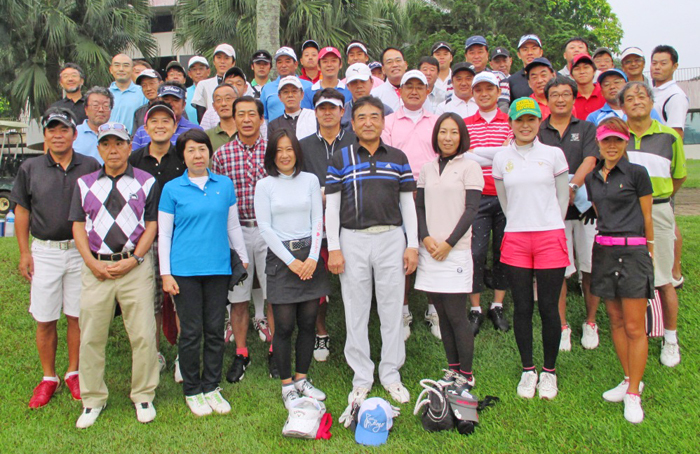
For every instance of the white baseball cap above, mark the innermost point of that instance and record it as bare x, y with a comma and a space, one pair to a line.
358, 45
227, 49
324, 100
288, 51
413, 74
631, 51
485, 76
197, 59
357, 71
290, 80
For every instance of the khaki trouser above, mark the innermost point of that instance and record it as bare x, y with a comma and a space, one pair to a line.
97, 303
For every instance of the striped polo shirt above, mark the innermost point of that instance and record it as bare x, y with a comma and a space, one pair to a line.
485, 134
660, 151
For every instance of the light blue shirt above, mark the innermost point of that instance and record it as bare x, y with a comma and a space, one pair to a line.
270, 98
86, 143
189, 109
308, 101
126, 103
606, 111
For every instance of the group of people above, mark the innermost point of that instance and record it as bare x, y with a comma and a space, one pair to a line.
149, 190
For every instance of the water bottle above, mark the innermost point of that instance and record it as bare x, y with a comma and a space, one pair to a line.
10, 224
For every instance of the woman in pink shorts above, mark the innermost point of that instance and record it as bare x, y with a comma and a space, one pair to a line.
533, 188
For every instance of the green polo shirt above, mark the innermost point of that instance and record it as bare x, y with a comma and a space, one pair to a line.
660, 151
218, 137
255, 83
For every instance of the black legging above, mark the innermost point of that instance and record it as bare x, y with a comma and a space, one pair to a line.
549, 284
457, 335
302, 315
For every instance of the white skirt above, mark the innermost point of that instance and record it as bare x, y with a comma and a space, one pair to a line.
452, 275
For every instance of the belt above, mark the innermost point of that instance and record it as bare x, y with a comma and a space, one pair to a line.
295, 245
249, 222
63, 245
664, 200
112, 257
620, 241
377, 229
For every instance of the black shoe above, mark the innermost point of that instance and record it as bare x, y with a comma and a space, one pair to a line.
476, 319
498, 319
272, 366
237, 370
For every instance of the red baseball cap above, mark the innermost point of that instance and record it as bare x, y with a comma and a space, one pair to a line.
329, 50
582, 57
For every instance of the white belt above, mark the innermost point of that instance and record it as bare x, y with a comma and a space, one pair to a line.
377, 229
63, 245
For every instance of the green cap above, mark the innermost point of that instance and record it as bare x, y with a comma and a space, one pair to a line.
524, 106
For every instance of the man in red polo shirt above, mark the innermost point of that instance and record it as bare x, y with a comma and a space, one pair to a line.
589, 98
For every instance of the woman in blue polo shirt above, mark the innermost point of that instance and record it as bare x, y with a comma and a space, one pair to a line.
197, 221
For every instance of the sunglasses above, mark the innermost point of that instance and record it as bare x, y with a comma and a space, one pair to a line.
111, 127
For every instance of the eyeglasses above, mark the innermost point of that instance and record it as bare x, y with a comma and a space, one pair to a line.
97, 106
111, 127
566, 95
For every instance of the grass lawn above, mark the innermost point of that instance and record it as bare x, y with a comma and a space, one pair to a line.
693, 166
578, 420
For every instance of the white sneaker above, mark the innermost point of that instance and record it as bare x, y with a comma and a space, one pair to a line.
434, 323
88, 417
289, 395
358, 393
145, 412
670, 354
617, 394
177, 375
321, 350
547, 387
407, 320
161, 361
198, 404
527, 385
217, 402
633, 408
398, 392
589, 340
305, 388
565, 342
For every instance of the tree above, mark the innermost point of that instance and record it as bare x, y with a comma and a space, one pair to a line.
38, 36
268, 24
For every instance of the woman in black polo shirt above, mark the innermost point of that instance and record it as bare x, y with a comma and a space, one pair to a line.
622, 270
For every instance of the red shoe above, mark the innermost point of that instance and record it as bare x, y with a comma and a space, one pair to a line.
43, 393
73, 384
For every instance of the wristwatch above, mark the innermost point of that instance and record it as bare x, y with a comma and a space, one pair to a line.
573, 186
139, 260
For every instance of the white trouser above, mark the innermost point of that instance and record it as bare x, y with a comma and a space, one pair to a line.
579, 238
257, 253
379, 255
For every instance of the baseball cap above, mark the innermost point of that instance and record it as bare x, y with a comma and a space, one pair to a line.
147, 73
631, 51
413, 74
604, 131
329, 50
288, 51
305, 415
160, 108
602, 50
463, 66
177, 65
440, 45
374, 420
323, 100
197, 59
290, 80
235, 71
61, 117
500, 52
357, 71
531, 37
375, 64
113, 129
474, 40
172, 90
310, 43
524, 106
611, 72
226, 49
261, 55
539, 61
486, 76
582, 58
357, 44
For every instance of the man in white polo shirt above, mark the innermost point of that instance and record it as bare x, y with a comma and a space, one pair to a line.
460, 100
670, 101
224, 59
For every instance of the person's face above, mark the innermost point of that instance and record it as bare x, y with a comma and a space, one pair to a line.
223, 102
330, 66
329, 115
160, 127
430, 71
262, 69
121, 68
286, 65
633, 65
138, 69
247, 119
198, 72
59, 138
357, 55
291, 97
573, 49
525, 128
462, 83
561, 100
97, 109
70, 80
285, 159
444, 57
413, 94
502, 63
222, 63
196, 158
662, 67
478, 56
603, 62
309, 58
394, 66
175, 103
637, 104
610, 88
115, 153
486, 95
237, 82
368, 123
448, 137
583, 73
538, 77
528, 52
379, 72
175, 75
612, 149
149, 86
360, 88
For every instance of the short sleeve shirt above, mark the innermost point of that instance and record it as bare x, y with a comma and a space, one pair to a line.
169, 167
671, 103
583, 106
125, 104
414, 139
317, 152
577, 142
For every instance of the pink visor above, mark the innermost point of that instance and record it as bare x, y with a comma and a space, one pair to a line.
604, 131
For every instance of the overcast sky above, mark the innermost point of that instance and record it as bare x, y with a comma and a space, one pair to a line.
647, 23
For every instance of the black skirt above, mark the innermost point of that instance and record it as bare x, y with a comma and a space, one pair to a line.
622, 272
285, 287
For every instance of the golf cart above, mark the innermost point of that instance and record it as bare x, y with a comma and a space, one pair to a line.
12, 145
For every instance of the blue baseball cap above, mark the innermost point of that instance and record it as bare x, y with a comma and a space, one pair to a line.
172, 90
611, 72
474, 40
374, 422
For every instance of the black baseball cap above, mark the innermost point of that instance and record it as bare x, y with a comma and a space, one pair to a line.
310, 43
500, 52
60, 116
463, 66
261, 55
235, 71
539, 61
440, 45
